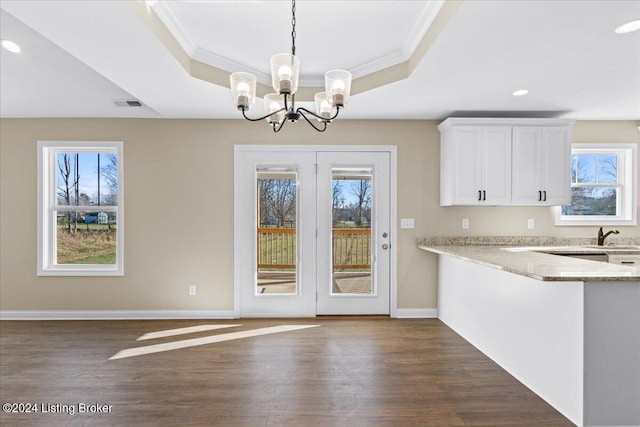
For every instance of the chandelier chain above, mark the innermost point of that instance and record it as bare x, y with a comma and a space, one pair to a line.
293, 27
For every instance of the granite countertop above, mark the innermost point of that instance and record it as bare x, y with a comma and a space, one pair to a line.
524, 257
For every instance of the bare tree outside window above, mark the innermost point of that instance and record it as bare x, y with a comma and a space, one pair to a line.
361, 189
67, 188
278, 202
109, 171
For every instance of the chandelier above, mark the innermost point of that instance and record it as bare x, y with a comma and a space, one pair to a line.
285, 71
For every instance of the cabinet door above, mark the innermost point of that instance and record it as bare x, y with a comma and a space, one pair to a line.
467, 162
541, 166
556, 165
496, 165
527, 166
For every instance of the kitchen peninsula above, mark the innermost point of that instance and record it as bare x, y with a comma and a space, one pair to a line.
567, 328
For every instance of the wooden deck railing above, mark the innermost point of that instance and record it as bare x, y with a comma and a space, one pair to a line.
351, 248
277, 248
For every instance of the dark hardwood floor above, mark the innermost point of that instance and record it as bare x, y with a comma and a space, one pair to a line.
350, 371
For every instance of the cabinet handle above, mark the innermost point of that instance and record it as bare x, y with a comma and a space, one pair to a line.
539, 196
484, 195
479, 194
545, 196
627, 262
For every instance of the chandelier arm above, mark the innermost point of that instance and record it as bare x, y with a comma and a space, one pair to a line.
277, 129
320, 117
324, 123
260, 118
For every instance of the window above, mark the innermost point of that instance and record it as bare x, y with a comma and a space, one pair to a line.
80, 209
603, 179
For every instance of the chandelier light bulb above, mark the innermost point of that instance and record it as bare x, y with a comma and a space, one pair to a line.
284, 73
243, 89
325, 107
337, 92
274, 106
338, 86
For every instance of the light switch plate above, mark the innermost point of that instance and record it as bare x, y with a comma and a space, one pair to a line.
407, 223
530, 224
465, 223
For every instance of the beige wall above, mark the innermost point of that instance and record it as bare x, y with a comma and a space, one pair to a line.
179, 208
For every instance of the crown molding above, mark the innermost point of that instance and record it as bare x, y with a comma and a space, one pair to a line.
170, 21
423, 24
208, 66
229, 65
389, 60
430, 11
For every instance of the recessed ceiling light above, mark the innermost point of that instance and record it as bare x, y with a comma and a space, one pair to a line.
520, 92
629, 27
10, 46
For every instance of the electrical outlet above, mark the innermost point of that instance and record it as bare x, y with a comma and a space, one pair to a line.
465, 223
530, 224
192, 290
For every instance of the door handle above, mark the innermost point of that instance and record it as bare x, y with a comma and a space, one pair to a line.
385, 246
385, 234
545, 196
484, 195
479, 194
539, 196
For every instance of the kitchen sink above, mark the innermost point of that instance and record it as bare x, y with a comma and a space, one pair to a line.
613, 247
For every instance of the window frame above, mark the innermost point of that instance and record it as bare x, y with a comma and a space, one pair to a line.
47, 208
627, 185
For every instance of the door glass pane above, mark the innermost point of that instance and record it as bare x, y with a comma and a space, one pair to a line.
351, 231
276, 228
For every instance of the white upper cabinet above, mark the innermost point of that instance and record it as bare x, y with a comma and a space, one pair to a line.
476, 166
498, 162
541, 165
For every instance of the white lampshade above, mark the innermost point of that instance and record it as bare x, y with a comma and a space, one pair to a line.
323, 106
274, 102
285, 70
338, 86
243, 89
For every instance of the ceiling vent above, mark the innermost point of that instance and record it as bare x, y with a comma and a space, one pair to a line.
127, 103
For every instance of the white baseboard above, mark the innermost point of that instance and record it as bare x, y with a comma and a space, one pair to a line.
113, 314
401, 313
416, 313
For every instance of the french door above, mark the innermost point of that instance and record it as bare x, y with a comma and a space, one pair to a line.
353, 245
312, 231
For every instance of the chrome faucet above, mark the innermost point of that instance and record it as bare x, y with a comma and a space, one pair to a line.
602, 236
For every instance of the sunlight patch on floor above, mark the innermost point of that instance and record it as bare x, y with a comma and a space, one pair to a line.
181, 331
193, 342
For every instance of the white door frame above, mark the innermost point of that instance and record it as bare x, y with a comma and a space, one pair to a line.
391, 149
